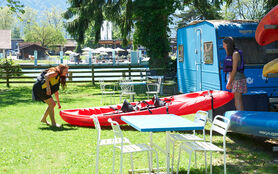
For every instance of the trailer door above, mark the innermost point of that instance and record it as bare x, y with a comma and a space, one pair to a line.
198, 59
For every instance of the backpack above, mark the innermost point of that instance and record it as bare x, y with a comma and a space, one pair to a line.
127, 107
157, 102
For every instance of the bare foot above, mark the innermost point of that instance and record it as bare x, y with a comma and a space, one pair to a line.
56, 125
46, 122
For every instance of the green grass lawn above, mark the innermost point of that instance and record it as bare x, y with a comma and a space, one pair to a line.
27, 146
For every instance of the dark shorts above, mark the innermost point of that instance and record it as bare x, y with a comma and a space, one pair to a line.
39, 94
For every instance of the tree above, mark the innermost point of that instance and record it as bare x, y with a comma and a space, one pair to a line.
45, 34
125, 13
152, 30
6, 19
16, 32
244, 9
15, 6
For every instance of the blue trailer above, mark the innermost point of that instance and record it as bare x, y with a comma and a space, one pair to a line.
200, 56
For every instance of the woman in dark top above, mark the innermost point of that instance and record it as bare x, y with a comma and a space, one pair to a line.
234, 65
48, 83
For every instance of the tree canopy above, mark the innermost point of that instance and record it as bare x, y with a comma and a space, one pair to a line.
148, 20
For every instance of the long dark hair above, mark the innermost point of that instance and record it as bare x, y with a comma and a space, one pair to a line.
59, 69
230, 45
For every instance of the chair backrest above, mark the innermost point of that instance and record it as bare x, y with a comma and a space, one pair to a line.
117, 131
201, 117
221, 125
102, 85
97, 126
154, 87
126, 87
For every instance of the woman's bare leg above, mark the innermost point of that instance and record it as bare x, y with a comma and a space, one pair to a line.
238, 101
51, 104
43, 120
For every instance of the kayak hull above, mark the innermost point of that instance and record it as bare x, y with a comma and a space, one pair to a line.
178, 104
266, 36
256, 123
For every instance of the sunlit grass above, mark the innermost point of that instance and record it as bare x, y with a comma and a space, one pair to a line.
27, 146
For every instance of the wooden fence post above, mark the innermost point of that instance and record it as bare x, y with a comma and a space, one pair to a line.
129, 71
70, 76
93, 74
7, 76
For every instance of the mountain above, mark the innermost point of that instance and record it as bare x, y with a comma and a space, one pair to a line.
41, 5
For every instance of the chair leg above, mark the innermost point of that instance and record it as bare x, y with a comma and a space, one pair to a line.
210, 162
157, 162
121, 164
131, 163
206, 162
113, 170
178, 166
188, 170
149, 161
224, 162
173, 156
195, 159
97, 158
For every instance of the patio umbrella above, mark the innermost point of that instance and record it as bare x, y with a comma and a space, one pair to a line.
68, 52
101, 49
86, 49
95, 51
119, 49
109, 49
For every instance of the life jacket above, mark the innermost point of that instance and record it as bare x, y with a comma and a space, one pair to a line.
228, 63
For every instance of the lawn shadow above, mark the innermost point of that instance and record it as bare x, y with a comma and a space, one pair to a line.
64, 127
15, 95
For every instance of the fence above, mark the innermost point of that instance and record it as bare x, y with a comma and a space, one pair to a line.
79, 73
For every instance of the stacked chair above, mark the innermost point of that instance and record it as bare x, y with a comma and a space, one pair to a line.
103, 142
220, 125
129, 148
200, 117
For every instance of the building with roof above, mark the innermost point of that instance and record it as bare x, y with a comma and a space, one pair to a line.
26, 50
5, 41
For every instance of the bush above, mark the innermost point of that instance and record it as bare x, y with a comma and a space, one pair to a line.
9, 67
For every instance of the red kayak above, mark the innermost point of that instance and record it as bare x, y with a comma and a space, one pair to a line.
178, 104
266, 36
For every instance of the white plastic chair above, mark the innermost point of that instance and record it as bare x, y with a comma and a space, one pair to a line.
154, 88
106, 91
126, 89
130, 148
103, 142
200, 117
220, 124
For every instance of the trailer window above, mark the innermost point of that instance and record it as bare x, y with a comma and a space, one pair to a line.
180, 53
254, 53
208, 52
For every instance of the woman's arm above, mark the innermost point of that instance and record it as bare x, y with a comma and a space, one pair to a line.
57, 99
47, 76
232, 74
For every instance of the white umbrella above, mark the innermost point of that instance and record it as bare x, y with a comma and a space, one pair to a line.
103, 53
95, 51
68, 52
109, 49
101, 49
85, 53
86, 49
119, 49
